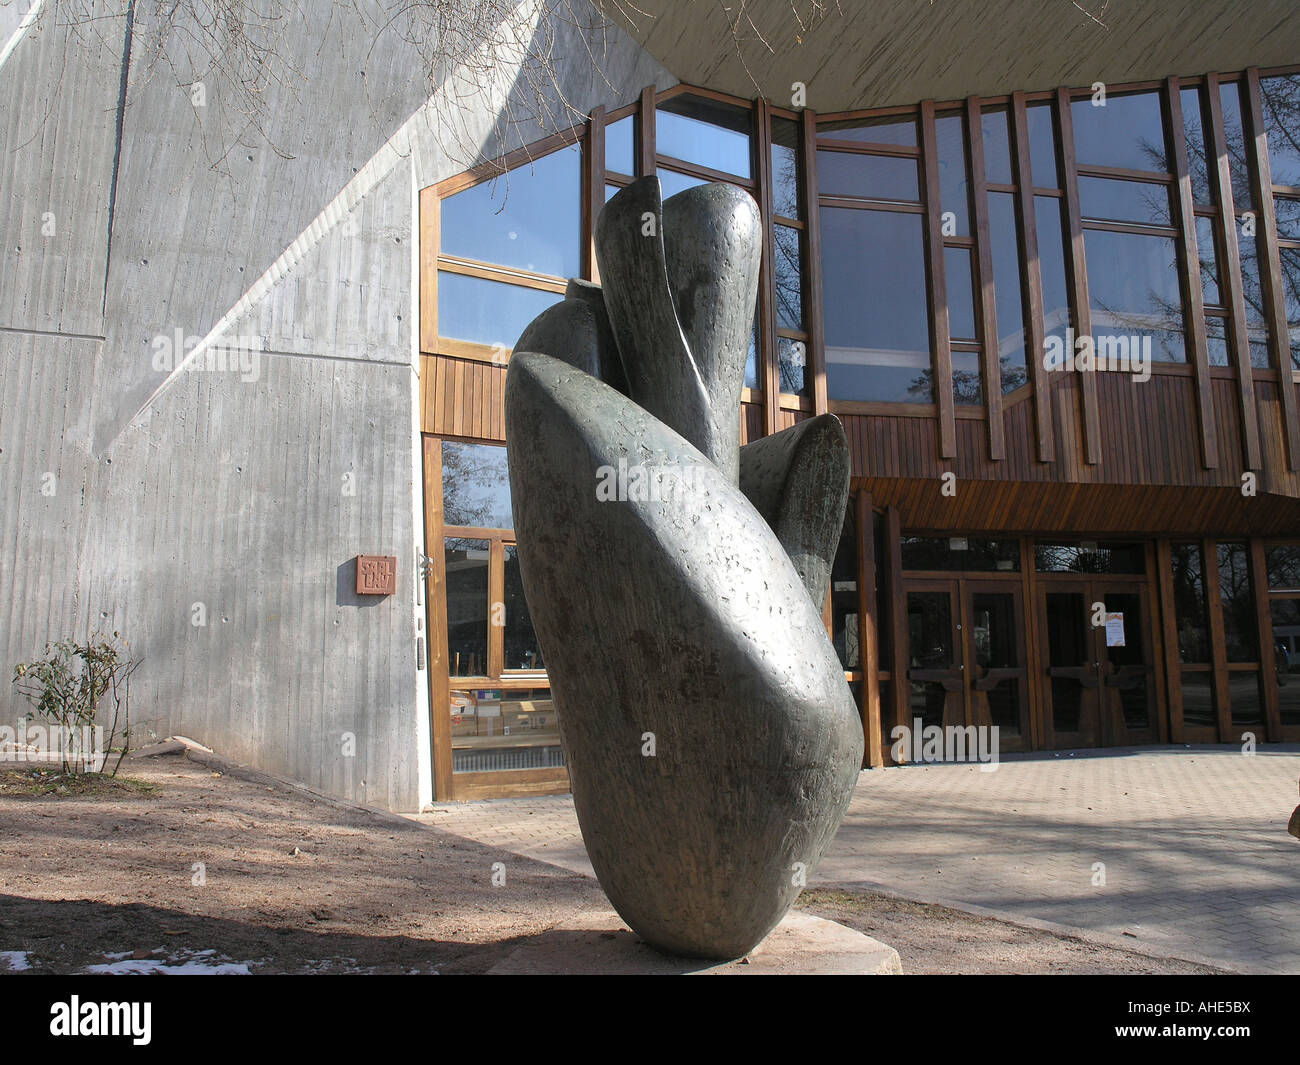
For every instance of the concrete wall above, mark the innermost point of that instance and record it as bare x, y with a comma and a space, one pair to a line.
138, 497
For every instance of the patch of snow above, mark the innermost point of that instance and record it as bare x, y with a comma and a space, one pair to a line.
183, 963
14, 961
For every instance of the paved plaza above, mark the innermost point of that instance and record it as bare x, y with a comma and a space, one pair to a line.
1179, 851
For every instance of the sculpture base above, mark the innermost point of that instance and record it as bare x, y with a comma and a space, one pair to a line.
599, 943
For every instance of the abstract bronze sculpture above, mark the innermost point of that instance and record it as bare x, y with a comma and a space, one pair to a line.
676, 579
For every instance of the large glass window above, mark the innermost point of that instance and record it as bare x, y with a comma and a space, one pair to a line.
1004, 237
1239, 622
529, 218
705, 132
960, 553
467, 562
475, 486
1085, 557
1124, 131
1133, 283
1190, 607
492, 313
877, 322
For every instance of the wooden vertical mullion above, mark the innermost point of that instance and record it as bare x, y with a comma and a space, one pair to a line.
1231, 278
435, 598
1267, 653
1191, 279
768, 370
1172, 664
1271, 269
1079, 278
1035, 653
1031, 281
429, 244
593, 192
1156, 636
645, 126
496, 607
898, 685
937, 291
1218, 640
816, 353
869, 650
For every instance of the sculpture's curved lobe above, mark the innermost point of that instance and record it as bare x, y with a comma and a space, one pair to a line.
712, 742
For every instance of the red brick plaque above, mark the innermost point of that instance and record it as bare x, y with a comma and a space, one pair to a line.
376, 574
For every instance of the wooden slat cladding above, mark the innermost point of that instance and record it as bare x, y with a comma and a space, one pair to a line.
463, 397
1150, 434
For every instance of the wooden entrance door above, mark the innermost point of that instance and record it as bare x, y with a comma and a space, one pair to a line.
1101, 679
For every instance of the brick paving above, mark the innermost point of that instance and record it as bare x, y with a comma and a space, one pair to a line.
1197, 860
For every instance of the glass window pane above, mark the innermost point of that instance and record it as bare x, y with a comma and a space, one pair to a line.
877, 323
1048, 220
967, 378
529, 218
1003, 231
1247, 699
475, 486
876, 177
487, 312
961, 293
1283, 564
1124, 201
845, 629
1216, 336
1083, 557
1252, 288
671, 182
1133, 284
1230, 96
1286, 656
521, 648
705, 132
1042, 144
503, 730
1206, 250
751, 358
620, 146
1288, 217
792, 362
929, 624
467, 564
960, 553
1280, 104
610, 191
900, 131
954, 186
1190, 609
1239, 622
785, 167
787, 258
1291, 290
1198, 156
1127, 132
1200, 706
997, 146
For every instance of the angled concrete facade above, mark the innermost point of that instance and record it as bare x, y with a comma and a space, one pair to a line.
208, 369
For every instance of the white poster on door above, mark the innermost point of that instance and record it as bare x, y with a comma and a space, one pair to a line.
1115, 629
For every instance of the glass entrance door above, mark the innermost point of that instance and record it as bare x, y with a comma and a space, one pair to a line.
1100, 667
936, 670
995, 661
967, 656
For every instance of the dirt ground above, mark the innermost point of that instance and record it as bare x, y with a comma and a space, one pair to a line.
182, 869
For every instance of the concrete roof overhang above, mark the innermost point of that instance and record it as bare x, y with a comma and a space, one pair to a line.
879, 53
